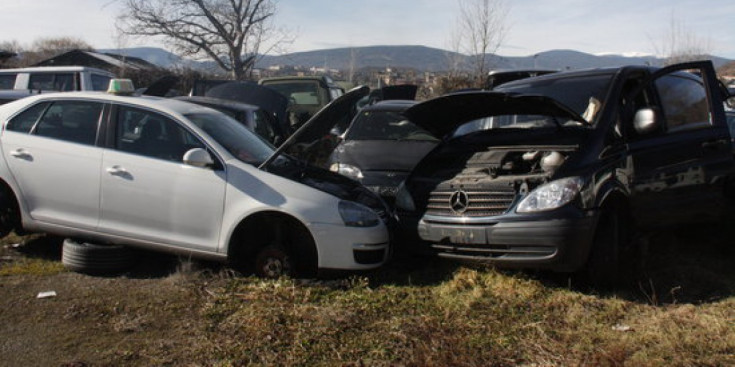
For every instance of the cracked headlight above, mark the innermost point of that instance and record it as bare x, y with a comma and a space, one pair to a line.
551, 195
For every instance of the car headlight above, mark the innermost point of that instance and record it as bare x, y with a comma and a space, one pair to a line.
356, 215
404, 201
346, 170
551, 195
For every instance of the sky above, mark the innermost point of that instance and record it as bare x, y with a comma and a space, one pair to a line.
627, 27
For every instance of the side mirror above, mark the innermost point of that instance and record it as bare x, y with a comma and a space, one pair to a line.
645, 121
198, 157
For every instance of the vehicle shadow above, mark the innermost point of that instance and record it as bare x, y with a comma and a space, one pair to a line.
36, 246
688, 264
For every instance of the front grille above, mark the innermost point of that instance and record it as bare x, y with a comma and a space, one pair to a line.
480, 203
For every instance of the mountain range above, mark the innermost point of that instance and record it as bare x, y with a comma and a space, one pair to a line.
419, 58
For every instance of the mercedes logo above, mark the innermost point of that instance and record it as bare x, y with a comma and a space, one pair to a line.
459, 202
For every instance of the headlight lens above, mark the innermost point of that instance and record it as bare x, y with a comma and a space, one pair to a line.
551, 195
404, 201
347, 170
356, 215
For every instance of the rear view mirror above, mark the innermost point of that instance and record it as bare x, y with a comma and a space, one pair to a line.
645, 121
198, 157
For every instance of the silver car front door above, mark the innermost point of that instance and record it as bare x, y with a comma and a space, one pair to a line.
149, 194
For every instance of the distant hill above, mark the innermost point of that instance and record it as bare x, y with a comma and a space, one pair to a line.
415, 57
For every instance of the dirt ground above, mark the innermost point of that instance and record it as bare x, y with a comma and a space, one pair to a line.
153, 314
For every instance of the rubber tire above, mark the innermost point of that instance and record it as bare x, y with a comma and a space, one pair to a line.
9, 214
604, 265
89, 258
273, 262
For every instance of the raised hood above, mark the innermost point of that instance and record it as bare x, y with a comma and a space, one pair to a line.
440, 116
258, 95
322, 122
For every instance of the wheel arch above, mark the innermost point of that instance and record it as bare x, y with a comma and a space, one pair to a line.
7, 190
260, 229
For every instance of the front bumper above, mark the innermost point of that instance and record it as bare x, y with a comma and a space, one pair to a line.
351, 248
560, 242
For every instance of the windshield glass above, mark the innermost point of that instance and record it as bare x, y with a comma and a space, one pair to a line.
513, 122
233, 136
583, 94
304, 93
385, 125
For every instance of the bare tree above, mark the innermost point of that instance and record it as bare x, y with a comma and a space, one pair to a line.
681, 44
233, 33
46, 48
482, 29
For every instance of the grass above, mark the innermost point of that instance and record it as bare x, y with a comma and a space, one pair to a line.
410, 313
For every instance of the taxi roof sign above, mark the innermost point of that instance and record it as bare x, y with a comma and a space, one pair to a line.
121, 87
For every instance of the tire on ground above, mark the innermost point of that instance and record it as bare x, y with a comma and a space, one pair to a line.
89, 258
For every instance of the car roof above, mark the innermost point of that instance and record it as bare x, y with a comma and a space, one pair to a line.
582, 72
168, 105
218, 102
53, 69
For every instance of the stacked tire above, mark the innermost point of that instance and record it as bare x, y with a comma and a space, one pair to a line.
89, 258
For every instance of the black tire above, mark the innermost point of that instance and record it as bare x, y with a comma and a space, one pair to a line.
605, 264
273, 262
88, 258
9, 213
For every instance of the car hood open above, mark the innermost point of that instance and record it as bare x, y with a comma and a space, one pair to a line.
440, 116
254, 94
322, 122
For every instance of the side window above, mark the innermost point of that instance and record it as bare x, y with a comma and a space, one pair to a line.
7, 81
23, 122
100, 82
152, 135
262, 126
73, 121
683, 100
47, 81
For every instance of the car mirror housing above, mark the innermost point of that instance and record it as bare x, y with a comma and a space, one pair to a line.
198, 157
645, 121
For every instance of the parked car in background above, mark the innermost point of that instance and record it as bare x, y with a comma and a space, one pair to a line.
266, 99
563, 167
306, 94
22, 82
173, 176
253, 117
381, 147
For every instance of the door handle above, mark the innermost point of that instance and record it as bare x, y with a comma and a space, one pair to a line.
21, 154
117, 171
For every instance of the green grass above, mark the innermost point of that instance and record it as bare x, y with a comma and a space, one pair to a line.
410, 313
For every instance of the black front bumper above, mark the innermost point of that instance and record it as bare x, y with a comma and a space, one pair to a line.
559, 242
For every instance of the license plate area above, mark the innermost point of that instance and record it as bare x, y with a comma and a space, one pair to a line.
466, 235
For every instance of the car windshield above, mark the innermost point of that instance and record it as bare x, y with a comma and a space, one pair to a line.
304, 93
385, 125
513, 122
233, 136
582, 94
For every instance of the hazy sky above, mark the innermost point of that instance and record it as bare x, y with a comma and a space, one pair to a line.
593, 26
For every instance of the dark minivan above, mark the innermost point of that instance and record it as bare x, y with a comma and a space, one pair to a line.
555, 171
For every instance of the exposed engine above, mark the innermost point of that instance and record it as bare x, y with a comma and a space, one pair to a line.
491, 179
